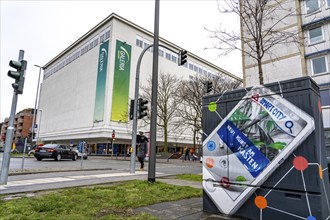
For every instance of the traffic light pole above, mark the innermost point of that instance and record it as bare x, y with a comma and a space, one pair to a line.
152, 153
136, 96
9, 134
153, 121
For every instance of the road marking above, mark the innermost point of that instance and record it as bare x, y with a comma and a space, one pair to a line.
67, 178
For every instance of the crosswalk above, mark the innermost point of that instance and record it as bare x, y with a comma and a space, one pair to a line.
66, 179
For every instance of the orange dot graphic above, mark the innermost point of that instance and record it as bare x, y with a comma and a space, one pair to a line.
209, 162
300, 163
261, 202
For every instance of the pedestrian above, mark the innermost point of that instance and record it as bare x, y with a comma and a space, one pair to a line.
187, 151
142, 150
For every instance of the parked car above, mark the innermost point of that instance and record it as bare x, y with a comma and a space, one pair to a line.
56, 151
79, 154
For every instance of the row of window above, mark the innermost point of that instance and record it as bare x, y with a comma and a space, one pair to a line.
104, 35
143, 43
312, 6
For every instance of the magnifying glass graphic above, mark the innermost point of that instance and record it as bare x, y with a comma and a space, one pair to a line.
289, 125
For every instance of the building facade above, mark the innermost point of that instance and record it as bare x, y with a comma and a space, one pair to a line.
310, 20
87, 88
22, 125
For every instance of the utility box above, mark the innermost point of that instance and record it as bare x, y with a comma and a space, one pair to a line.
287, 179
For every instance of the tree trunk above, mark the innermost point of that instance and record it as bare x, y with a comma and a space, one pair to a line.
261, 77
165, 138
195, 132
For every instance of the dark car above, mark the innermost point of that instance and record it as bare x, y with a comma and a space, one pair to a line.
56, 151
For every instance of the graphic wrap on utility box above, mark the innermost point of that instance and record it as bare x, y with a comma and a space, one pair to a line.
259, 133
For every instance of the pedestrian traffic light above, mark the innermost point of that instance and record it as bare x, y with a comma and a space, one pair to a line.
142, 108
131, 110
182, 57
18, 75
208, 86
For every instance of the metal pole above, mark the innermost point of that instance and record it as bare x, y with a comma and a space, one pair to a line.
23, 158
39, 125
82, 154
35, 104
9, 135
153, 131
136, 96
112, 148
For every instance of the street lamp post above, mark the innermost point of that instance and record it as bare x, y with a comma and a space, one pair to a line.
35, 103
39, 125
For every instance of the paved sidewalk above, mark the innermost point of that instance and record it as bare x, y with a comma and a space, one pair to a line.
186, 209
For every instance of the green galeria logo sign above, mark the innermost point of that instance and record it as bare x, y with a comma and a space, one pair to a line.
101, 82
102, 58
121, 82
123, 57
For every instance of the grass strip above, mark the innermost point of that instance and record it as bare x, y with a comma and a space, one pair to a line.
115, 201
190, 177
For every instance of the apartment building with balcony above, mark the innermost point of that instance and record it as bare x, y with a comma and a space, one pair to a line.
22, 125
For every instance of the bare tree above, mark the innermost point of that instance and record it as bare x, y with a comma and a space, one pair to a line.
262, 23
167, 103
222, 84
191, 92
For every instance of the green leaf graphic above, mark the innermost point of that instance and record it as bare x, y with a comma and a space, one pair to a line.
239, 116
277, 145
257, 143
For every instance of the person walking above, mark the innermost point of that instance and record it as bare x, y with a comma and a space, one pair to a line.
187, 151
142, 150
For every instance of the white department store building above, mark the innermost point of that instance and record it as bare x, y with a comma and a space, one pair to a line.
87, 88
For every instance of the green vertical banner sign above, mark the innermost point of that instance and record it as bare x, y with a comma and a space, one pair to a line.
121, 82
101, 82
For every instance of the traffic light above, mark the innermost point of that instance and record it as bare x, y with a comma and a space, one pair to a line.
182, 57
131, 110
142, 107
208, 86
18, 75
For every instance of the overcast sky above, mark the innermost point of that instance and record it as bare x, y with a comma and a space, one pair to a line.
43, 29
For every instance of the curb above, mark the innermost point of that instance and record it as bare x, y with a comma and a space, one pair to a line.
53, 171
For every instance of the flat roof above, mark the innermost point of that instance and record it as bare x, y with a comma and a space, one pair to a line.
115, 16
